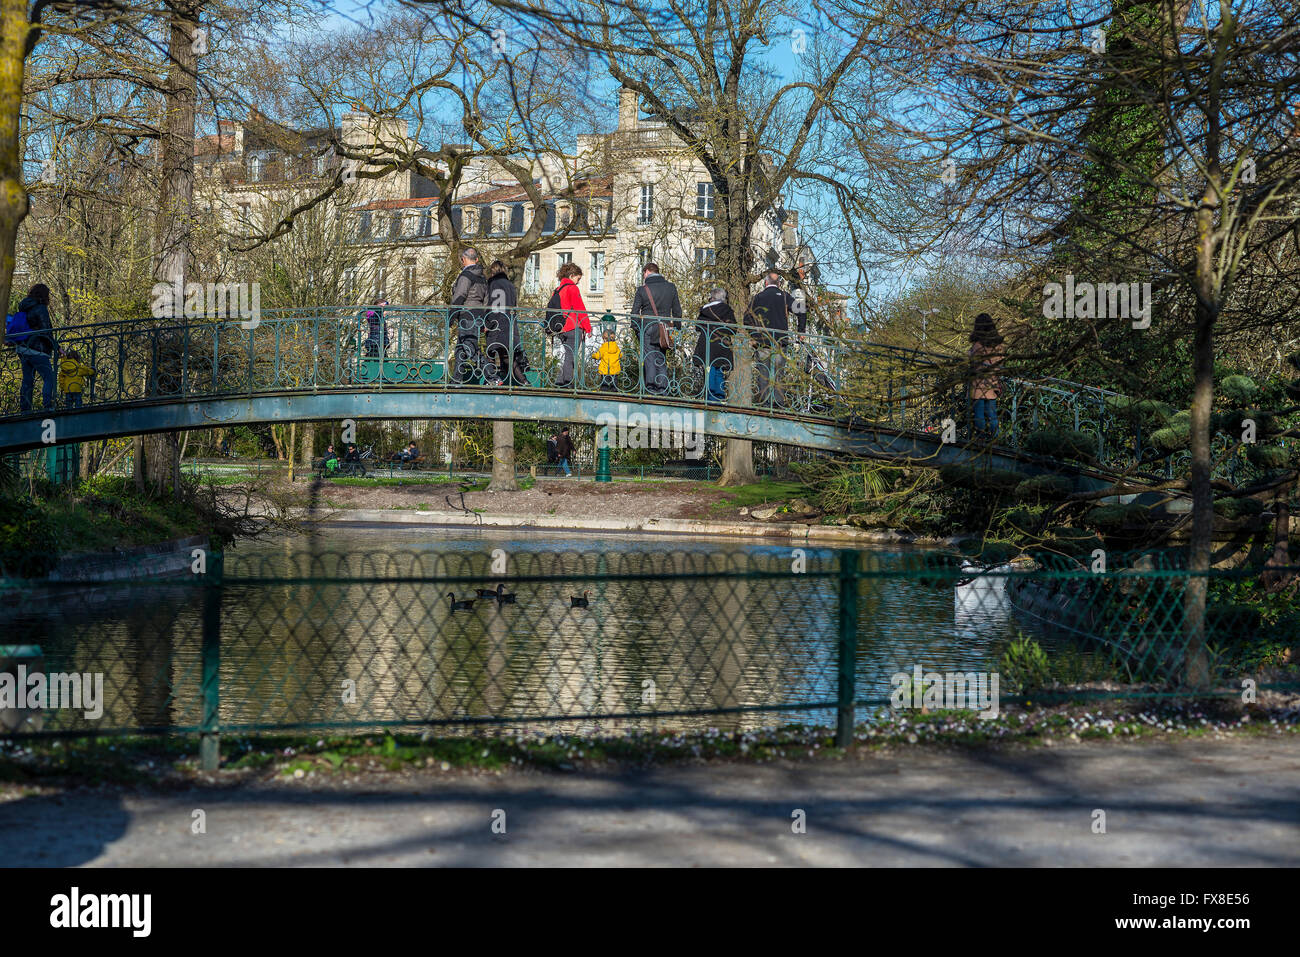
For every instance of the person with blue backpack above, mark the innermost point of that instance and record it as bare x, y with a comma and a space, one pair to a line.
713, 346
31, 333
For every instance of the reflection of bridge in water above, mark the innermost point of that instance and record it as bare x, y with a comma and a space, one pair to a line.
818, 392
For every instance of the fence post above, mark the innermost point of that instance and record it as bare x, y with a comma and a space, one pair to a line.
210, 689
848, 648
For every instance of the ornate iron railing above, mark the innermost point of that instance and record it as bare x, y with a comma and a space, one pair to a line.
842, 378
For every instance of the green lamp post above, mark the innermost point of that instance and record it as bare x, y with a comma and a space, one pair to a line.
602, 457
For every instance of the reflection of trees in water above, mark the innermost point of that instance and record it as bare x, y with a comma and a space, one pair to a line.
143, 639
288, 647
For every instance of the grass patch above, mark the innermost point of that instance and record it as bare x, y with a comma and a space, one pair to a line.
137, 760
760, 493
105, 513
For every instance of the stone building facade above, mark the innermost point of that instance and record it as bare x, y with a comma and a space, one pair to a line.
620, 199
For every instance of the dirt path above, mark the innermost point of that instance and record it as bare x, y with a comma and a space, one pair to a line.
565, 497
1178, 802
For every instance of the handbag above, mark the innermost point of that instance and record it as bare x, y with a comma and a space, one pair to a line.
665, 337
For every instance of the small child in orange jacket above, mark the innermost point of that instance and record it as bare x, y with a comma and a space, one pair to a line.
611, 360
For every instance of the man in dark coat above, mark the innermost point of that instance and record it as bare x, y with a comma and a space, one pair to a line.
564, 450
713, 346
470, 294
36, 350
505, 353
770, 310
656, 300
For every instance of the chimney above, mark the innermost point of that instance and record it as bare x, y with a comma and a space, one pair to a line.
628, 108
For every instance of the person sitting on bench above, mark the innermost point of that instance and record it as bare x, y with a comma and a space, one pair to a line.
352, 460
330, 461
410, 453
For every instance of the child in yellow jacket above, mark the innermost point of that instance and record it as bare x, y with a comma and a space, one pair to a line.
610, 357
73, 374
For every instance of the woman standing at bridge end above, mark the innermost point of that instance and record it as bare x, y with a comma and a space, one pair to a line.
986, 385
576, 324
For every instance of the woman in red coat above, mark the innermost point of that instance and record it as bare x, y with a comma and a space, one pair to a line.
576, 324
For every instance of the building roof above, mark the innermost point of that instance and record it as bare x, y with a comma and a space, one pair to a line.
214, 144
501, 194
600, 186
419, 202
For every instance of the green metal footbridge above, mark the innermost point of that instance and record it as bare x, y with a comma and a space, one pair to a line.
839, 395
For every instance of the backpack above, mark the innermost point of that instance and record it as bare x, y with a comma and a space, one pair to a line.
554, 316
16, 328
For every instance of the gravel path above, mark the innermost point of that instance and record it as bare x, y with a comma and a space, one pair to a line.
1186, 803
571, 497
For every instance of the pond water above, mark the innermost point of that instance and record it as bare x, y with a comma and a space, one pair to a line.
333, 630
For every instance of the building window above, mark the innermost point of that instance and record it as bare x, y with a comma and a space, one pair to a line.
286, 165
426, 223
533, 273
704, 200
704, 258
500, 219
408, 281
646, 211
644, 254
471, 220
564, 216
395, 226
255, 169
350, 282
597, 282
364, 229
320, 165
563, 259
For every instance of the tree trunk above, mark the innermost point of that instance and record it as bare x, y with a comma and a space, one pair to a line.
738, 463
307, 444
13, 194
1196, 672
175, 223
157, 463
1277, 573
503, 458
738, 454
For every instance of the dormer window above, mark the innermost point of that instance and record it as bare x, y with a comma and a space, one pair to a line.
564, 215
255, 169
500, 219
471, 220
426, 223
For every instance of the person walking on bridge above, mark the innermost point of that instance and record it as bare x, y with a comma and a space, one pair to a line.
470, 295
770, 310
36, 348
986, 355
713, 345
576, 326
505, 353
656, 297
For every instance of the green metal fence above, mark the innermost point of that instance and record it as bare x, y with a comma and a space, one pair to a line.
600, 640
